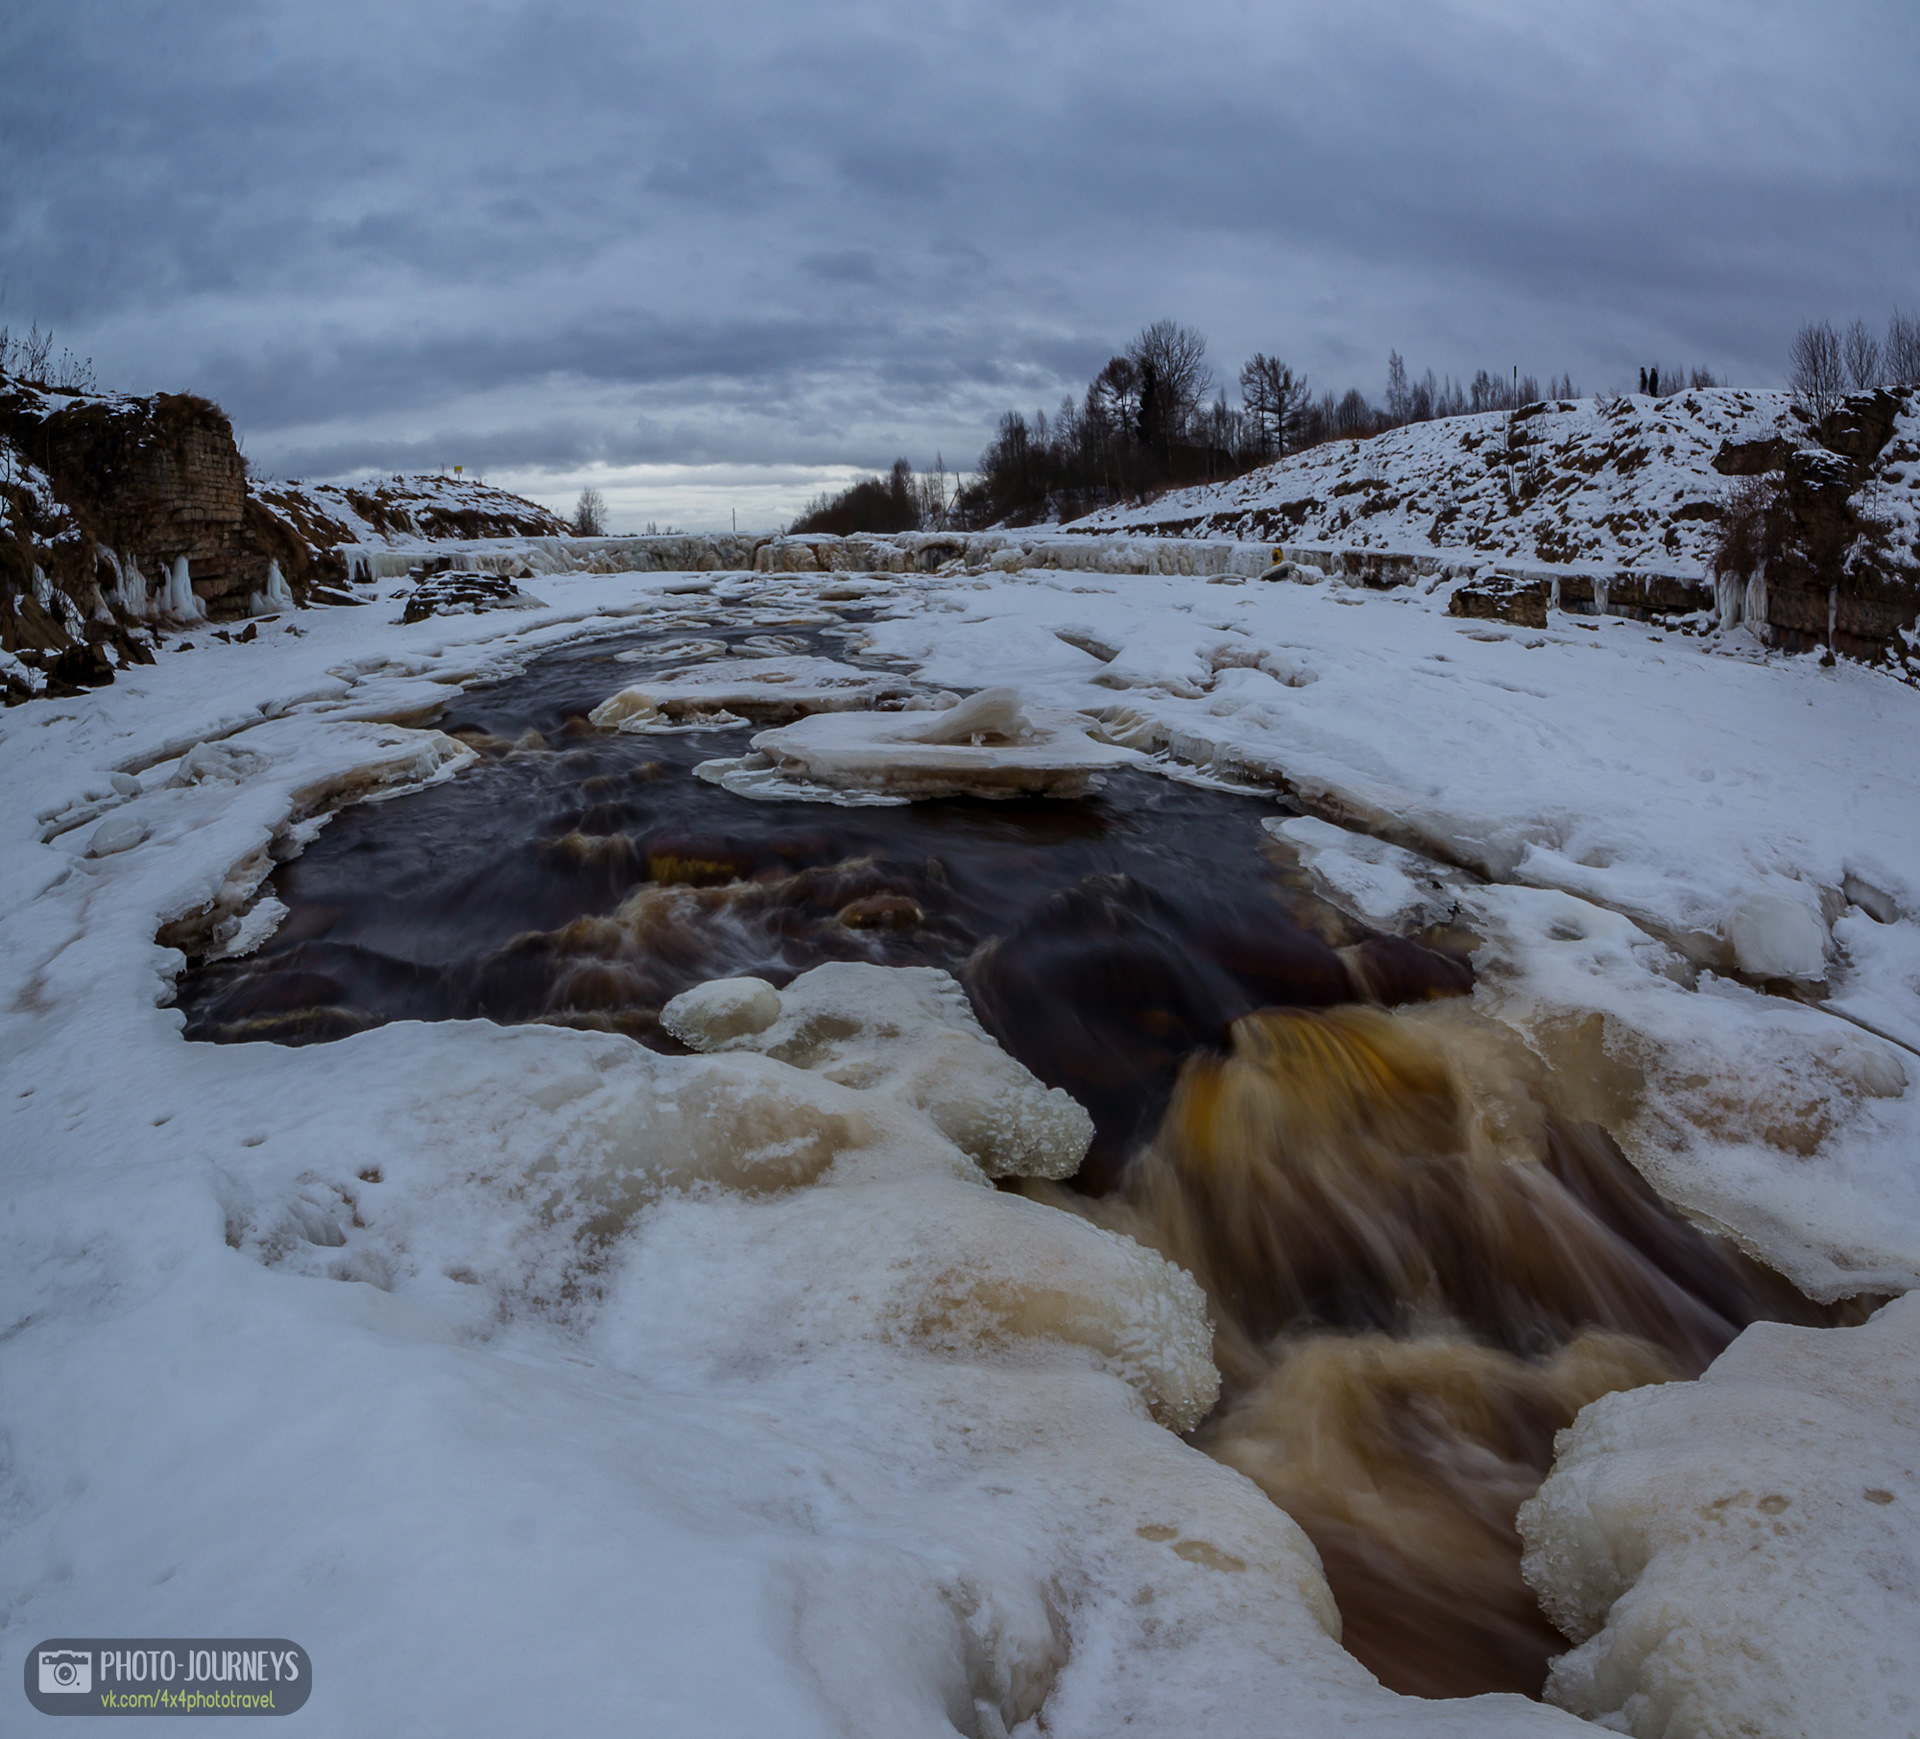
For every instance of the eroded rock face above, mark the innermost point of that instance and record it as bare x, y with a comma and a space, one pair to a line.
1821, 544
102, 498
118, 514
1515, 598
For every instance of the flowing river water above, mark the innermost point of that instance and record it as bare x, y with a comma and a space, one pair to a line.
1419, 1265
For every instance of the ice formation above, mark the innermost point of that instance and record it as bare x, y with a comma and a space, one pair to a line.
1738, 1555
987, 746
276, 595
1774, 935
117, 833
906, 1032
181, 601
754, 688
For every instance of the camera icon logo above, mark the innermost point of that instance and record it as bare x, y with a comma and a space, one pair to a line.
65, 1672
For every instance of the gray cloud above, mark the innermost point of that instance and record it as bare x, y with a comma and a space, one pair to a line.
750, 233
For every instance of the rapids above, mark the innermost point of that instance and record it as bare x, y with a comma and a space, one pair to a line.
1420, 1264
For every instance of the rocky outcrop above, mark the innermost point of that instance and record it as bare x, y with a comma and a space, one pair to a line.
1504, 597
403, 509
1820, 548
117, 514
120, 514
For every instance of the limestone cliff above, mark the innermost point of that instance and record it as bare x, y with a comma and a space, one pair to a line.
1821, 544
120, 515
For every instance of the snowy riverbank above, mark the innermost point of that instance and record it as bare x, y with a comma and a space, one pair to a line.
310, 1343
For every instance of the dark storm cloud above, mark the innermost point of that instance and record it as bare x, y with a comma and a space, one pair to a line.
628, 234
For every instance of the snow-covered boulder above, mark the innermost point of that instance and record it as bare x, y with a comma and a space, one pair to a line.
1741, 1555
908, 1033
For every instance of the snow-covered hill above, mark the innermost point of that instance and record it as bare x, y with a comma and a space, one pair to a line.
1616, 481
406, 508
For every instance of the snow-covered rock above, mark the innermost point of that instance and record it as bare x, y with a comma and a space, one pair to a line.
1741, 1555
907, 1032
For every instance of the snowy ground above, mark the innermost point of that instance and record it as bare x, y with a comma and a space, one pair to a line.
536, 1383
1612, 481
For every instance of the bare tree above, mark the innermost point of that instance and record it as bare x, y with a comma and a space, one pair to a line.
1275, 397
1353, 417
1397, 396
1178, 357
1819, 376
1863, 356
590, 514
1900, 359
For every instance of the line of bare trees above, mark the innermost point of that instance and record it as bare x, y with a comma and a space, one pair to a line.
1827, 365
1156, 417
903, 500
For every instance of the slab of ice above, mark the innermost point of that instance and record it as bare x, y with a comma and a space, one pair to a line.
215, 761
1774, 935
908, 1033
1741, 1555
754, 776
987, 746
763, 687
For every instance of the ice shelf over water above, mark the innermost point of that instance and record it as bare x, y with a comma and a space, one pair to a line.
761, 689
989, 745
551, 1379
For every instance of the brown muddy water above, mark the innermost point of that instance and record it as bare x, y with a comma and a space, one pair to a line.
1419, 1266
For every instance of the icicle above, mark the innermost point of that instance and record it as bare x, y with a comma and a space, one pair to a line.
42, 588
1756, 605
1833, 613
1553, 594
183, 604
134, 598
274, 596
1728, 589
1602, 584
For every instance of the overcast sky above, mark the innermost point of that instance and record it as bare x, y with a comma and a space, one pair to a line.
710, 256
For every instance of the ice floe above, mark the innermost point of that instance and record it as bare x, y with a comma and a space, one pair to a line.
990, 745
768, 687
